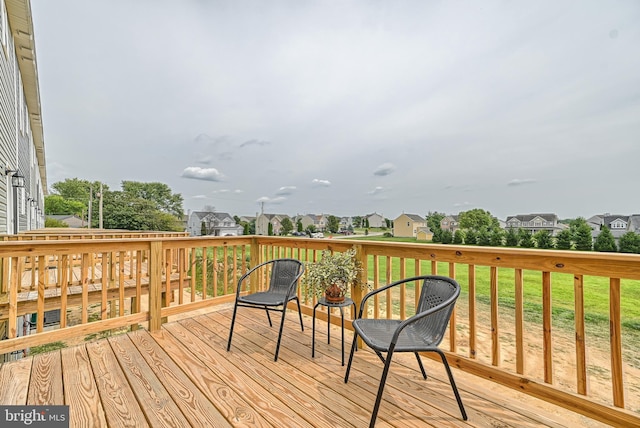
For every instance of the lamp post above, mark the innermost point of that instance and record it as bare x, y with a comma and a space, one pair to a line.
17, 180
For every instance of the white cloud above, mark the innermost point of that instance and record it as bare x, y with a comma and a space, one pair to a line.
206, 174
199, 197
520, 182
376, 191
323, 183
286, 190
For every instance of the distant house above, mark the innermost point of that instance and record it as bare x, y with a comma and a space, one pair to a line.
263, 221
534, 223
212, 224
408, 225
617, 224
319, 221
376, 220
424, 234
346, 223
450, 223
71, 220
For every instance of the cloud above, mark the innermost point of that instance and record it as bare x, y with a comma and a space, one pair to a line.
384, 169
462, 204
286, 190
520, 182
323, 183
255, 143
206, 174
273, 201
376, 191
199, 197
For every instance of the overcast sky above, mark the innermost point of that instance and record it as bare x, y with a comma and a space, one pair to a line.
348, 107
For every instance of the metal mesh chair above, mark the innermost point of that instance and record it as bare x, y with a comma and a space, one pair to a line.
422, 332
282, 288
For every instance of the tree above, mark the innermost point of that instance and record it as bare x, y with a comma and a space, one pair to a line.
286, 227
52, 222
433, 222
122, 211
511, 237
333, 224
357, 221
269, 229
471, 237
496, 238
583, 238
630, 243
56, 204
477, 218
484, 237
458, 237
446, 237
605, 241
299, 225
543, 239
526, 239
158, 193
564, 240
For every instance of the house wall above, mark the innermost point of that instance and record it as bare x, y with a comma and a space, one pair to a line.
404, 227
17, 149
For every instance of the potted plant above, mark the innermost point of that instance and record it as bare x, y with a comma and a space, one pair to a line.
331, 275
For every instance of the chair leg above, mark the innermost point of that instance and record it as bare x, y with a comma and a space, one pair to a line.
233, 321
284, 311
383, 381
424, 373
300, 314
353, 349
268, 316
453, 383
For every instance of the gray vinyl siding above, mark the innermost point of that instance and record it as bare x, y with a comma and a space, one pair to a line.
8, 68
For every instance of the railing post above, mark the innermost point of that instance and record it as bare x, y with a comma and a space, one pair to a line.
255, 261
357, 292
155, 285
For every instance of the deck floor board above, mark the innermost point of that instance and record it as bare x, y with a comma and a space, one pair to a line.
183, 375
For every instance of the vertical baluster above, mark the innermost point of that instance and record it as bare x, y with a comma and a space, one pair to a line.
519, 297
495, 332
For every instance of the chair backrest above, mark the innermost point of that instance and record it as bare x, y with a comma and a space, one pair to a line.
284, 272
436, 291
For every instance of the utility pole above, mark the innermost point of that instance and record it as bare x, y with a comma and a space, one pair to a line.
90, 204
100, 206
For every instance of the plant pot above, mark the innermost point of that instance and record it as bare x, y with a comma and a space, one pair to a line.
334, 294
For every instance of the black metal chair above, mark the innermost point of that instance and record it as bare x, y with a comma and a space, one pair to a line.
282, 288
422, 332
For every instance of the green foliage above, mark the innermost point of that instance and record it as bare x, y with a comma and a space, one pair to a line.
333, 224
511, 237
582, 237
122, 211
158, 193
203, 229
458, 237
543, 239
286, 226
496, 238
56, 204
446, 237
477, 219
433, 222
471, 237
52, 222
605, 241
526, 240
269, 229
484, 237
563, 240
357, 221
311, 229
333, 268
53, 346
630, 243
299, 225
245, 229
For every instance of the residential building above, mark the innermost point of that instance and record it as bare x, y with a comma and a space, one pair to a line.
424, 234
408, 225
72, 221
346, 223
534, 223
319, 221
23, 175
213, 224
450, 223
376, 220
618, 224
263, 221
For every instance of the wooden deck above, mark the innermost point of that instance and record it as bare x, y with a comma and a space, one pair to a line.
183, 376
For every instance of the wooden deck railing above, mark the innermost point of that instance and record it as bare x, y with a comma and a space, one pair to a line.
505, 320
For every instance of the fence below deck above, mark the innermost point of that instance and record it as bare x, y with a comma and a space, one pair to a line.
106, 284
